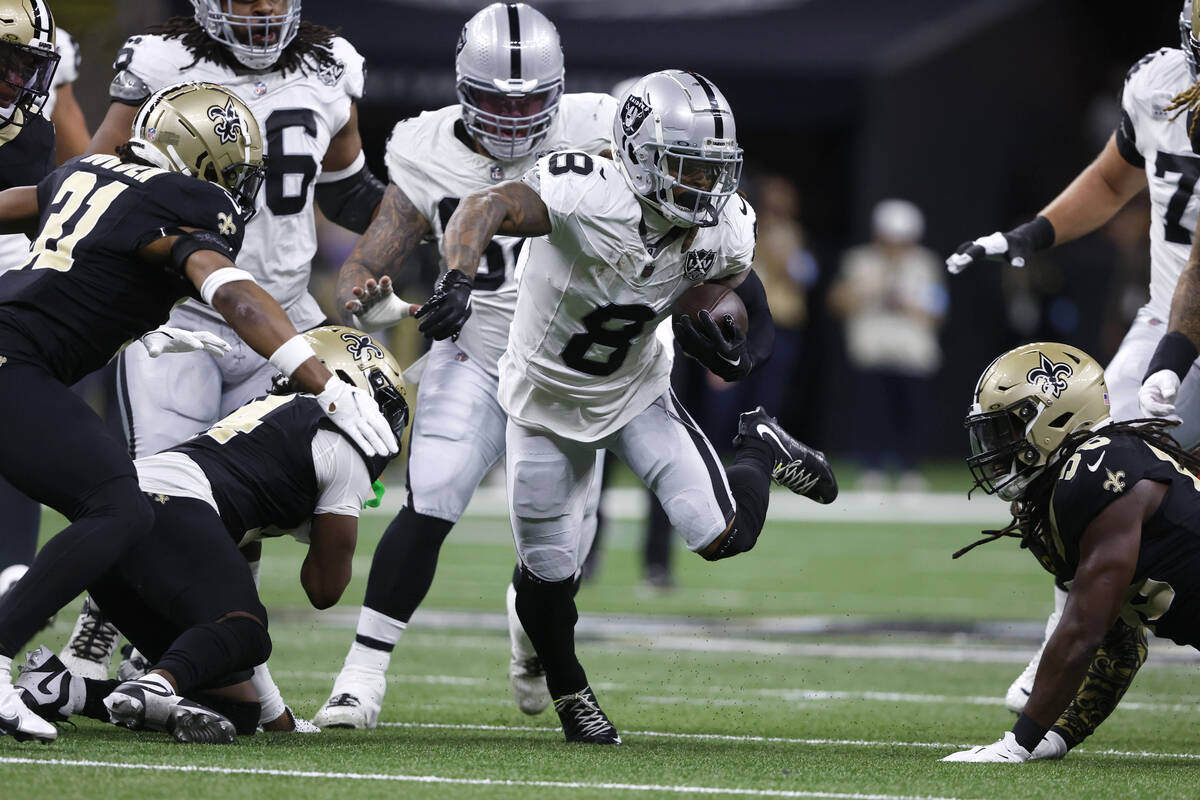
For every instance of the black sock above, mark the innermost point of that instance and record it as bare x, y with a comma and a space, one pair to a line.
750, 482
404, 562
93, 695
204, 653
242, 713
547, 612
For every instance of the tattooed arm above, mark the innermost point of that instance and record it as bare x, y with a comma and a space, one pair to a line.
392, 236
1112, 669
512, 209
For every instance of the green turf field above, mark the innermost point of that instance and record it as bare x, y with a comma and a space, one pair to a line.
836, 660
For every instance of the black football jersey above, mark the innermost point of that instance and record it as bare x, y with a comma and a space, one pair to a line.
1165, 592
258, 461
26, 151
85, 293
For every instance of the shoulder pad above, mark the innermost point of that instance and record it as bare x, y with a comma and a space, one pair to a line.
1144, 60
351, 71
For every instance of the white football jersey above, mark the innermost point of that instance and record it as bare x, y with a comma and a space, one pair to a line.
299, 114
429, 159
582, 357
1149, 138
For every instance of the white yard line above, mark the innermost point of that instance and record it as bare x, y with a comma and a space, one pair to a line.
438, 779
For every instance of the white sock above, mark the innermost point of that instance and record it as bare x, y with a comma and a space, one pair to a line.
522, 648
269, 698
374, 638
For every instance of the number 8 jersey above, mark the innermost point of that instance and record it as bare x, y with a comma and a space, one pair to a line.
299, 113
582, 357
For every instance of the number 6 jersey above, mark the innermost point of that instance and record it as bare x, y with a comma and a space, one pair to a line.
582, 357
299, 114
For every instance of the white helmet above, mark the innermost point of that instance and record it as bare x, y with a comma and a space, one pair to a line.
509, 78
675, 142
255, 41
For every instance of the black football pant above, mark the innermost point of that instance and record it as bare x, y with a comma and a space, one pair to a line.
185, 598
54, 449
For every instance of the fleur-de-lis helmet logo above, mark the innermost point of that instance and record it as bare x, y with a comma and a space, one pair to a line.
228, 122
1050, 377
361, 347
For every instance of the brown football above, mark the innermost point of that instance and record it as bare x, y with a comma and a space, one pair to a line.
715, 298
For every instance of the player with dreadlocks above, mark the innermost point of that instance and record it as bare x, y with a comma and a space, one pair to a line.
302, 82
1112, 509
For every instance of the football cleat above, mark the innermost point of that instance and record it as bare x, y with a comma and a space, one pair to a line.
89, 650
526, 675
797, 466
355, 701
150, 703
583, 721
46, 687
19, 720
133, 664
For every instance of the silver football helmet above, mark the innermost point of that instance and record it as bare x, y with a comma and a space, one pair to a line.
509, 78
255, 41
1187, 37
675, 143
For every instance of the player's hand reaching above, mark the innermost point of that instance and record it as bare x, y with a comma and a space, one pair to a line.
164, 339
449, 308
1014, 247
721, 348
1156, 397
375, 305
1002, 751
357, 414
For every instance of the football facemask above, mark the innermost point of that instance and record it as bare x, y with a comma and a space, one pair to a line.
255, 41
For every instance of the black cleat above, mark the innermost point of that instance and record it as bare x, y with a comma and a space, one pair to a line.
797, 466
583, 721
192, 723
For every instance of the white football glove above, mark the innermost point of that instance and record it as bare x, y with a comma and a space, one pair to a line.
359, 417
176, 340
1002, 751
1156, 398
375, 305
1052, 747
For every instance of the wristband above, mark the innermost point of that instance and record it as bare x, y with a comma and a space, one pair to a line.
291, 354
1175, 352
1039, 232
218, 278
1028, 733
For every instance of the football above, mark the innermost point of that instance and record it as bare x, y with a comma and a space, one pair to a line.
717, 299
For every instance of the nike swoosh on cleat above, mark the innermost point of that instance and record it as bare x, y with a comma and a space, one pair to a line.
765, 430
1096, 466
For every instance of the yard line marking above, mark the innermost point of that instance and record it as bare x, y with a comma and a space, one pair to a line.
727, 737
435, 779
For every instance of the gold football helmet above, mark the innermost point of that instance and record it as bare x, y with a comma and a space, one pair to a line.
357, 358
1026, 403
27, 56
206, 131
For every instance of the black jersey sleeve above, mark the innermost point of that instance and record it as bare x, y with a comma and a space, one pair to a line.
192, 203
1102, 470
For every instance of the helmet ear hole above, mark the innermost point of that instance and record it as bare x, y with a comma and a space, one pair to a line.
345, 376
1061, 420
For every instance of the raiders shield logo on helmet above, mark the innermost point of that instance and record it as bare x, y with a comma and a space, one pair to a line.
1050, 377
633, 114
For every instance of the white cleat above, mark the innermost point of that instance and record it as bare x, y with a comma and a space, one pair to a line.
1018, 693
88, 652
526, 675
150, 703
356, 700
18, 720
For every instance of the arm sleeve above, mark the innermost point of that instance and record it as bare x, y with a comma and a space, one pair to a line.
351, 196
343, 483
1117, 660
760, 334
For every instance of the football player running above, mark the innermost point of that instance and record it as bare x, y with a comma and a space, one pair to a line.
118, 242
1110, 508
302, 82
620, 241
1150, 147
185, 595
511, 109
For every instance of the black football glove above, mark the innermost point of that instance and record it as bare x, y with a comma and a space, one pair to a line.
722, 349
448, 309
1015, 247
